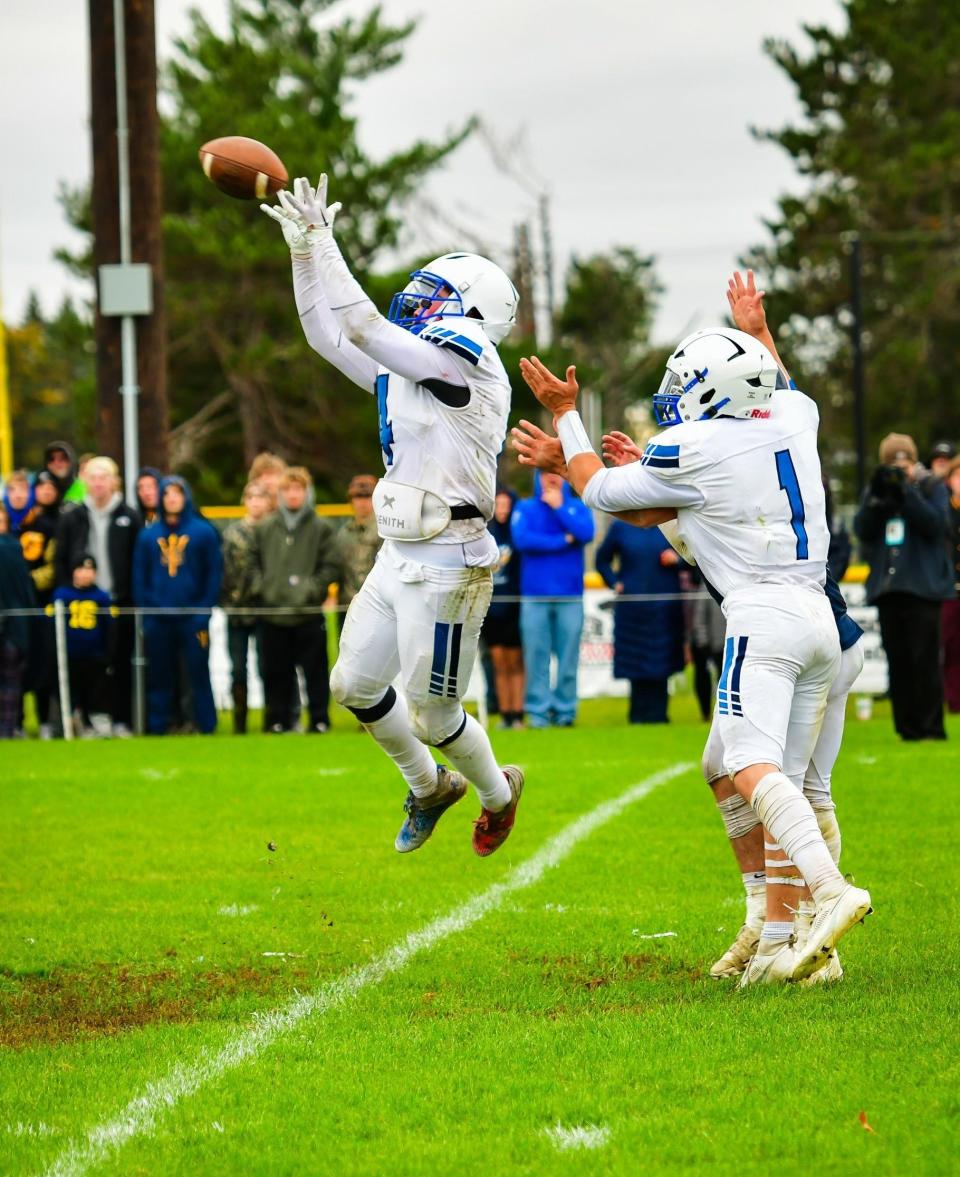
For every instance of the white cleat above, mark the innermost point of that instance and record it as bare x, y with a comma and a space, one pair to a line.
737, 956
830, 973
773, 966
831, 923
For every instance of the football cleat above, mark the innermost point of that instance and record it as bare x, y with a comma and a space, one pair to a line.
423, 813
832, 921
770, 966
491, 830
737, 956
830, 972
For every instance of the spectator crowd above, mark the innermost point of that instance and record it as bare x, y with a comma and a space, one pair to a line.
69, 542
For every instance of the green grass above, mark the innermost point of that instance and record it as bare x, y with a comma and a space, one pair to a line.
120, 959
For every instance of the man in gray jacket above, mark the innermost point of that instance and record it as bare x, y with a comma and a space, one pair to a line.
295, 563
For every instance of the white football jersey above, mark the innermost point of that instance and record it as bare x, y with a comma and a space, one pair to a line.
749, 494
450, 451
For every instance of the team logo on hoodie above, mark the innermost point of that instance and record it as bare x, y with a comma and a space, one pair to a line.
172, 550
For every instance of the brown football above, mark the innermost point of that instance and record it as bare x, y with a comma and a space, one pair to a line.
243, 167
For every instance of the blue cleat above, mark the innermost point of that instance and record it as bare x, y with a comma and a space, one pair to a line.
423, 813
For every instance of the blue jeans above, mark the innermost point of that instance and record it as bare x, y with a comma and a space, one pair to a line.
551, 628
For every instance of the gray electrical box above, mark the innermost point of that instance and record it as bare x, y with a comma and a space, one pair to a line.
126, 290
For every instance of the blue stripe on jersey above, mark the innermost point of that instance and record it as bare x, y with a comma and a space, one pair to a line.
460, 345
662, 457
724, 676
441, 637
735, 705
454, 662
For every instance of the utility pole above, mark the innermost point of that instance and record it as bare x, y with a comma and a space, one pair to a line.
523, 273
546, 246
856, 339
125, 206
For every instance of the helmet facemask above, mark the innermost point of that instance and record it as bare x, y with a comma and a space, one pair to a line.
426, 296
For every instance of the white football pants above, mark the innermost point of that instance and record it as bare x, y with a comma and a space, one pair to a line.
422, 623
781, 657
817, 776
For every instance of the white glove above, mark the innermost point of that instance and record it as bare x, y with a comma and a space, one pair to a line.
305, 217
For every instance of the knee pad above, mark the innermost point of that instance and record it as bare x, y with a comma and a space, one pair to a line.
738, 816
711, 763
354, 691
433, 723
340, 685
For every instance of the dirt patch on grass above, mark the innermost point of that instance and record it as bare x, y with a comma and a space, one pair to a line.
50, 1008
594, 972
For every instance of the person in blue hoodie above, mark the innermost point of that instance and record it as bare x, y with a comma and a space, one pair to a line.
550, 531
647, 635
177, 564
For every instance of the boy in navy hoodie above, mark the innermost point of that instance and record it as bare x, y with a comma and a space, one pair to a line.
177, 564
88, 642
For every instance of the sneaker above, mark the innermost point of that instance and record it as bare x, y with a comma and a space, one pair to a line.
770, 966
101, 725
276, 729
738, 955
423, 813
45, 731
491, 830
318, 729
122, 732
832, 921
828, 974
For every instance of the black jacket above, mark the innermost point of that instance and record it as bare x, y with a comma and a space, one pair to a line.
73, 541
16, 592
905, 533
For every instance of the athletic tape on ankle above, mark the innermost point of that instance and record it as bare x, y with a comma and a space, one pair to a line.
573, 436
738, 816
785, 881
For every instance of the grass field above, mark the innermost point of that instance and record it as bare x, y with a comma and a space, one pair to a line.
148, 931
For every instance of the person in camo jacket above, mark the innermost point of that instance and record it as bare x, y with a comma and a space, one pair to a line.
237, 591
357, 542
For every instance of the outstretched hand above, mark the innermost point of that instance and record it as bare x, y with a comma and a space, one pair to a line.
620, 450
746, 304
559, 396
536, 448
303, 215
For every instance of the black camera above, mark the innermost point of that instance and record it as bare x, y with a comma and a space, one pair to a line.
888, 483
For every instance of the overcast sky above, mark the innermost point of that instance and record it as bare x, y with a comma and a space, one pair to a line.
635, 118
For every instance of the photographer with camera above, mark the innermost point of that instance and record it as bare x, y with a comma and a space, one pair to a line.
904, 527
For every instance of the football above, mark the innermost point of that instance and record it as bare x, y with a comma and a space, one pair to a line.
243, 167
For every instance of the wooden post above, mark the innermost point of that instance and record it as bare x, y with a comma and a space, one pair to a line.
147, 240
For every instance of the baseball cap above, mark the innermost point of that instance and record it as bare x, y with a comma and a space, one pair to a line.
361, 486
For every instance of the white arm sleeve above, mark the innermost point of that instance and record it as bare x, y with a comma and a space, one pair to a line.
634, 487
322, 330
389, 345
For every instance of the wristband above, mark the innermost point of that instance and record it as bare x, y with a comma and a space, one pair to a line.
573, 436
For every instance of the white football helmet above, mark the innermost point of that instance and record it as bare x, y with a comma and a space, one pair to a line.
461, 285
718, 372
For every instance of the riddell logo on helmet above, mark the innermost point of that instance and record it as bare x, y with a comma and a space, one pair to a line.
760, 413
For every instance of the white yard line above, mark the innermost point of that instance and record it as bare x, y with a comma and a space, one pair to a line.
142, 1114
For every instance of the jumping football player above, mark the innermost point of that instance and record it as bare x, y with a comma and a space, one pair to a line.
443, 398
741, 469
